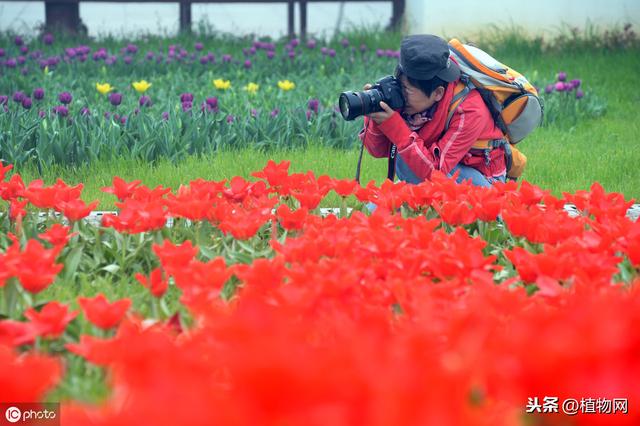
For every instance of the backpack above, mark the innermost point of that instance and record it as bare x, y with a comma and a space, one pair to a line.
511, 99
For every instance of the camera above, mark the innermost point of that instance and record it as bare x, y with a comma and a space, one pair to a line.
355, 104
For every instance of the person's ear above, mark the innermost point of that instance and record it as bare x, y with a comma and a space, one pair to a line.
438, 93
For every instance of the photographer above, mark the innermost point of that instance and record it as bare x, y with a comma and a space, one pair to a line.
428, 78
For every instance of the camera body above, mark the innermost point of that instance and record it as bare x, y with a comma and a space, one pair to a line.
354, 104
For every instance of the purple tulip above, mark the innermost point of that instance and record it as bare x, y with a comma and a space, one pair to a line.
48, 39
11, 63
123, 119
332, 53
115, 98
548, 89
579, 94
292, 54
165, 116
270, 54
107, 115
254, 113
230, 118
562, 76
344, 42
576, 82
247, 64
308, 113
186, 106
18, 41
145, 101
116, 116
38, 93
199, 46
204, 60
18, 96
65, 98
186, 97
324, 50
61, 110
211, 57
24, 49
313, 105
24, 71
212, 103
26, 103
132, 48
275, 112
379, 53
4, 99
85, 111
42, 114
252, 50
559, 86
311, 44
21, 60
149, 56
127, 60
294, 42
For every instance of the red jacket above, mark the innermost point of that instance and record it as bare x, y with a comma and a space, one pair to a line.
470, 122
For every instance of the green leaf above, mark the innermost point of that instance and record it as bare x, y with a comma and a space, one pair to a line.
113, 268
72, 261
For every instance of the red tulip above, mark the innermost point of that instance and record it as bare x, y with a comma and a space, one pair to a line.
52, 319
103, 314
27, 377
155, 283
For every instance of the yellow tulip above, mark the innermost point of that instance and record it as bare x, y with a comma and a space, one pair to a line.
221, 84
103, 88
252, 87
141, 86
286, 85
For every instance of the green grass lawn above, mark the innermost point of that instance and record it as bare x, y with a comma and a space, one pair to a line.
563, 157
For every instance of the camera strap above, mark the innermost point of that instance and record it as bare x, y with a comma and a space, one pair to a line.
391, 170
359, 163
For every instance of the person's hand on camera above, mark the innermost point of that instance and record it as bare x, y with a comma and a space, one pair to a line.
383, 115
386, 113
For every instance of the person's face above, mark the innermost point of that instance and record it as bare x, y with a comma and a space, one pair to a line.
415, 99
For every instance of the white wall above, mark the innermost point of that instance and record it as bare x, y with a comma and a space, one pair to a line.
445, 18
468, 17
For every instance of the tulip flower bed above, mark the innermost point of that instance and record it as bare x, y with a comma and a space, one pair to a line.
449, 304
71, 104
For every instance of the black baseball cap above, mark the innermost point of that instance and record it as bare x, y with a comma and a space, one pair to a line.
424, 56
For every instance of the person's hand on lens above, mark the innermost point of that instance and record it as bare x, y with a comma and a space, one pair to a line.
385, 114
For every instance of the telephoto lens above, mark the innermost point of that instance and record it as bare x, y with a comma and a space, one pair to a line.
355, 104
